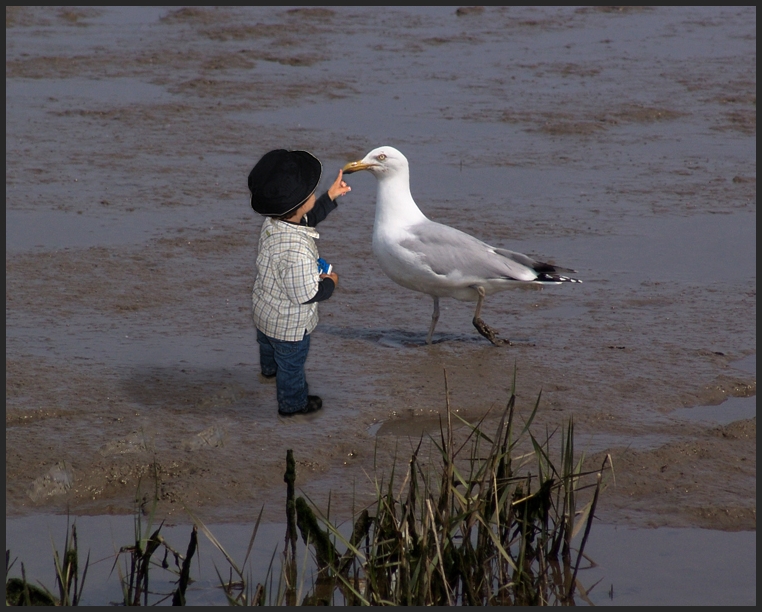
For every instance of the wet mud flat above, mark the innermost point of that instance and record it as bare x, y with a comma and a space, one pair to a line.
619, 143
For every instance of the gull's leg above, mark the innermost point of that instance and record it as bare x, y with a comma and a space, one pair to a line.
486, 331
434, 319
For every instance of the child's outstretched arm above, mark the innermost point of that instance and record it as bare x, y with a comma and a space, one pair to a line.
325, 203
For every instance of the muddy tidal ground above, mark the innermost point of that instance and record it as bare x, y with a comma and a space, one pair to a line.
620, 142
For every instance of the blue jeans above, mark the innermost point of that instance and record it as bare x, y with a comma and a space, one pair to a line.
286, 360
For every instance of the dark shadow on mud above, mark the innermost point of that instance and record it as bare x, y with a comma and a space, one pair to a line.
187, 388
397, 338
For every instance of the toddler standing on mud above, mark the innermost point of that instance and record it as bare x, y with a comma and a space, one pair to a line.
288, 284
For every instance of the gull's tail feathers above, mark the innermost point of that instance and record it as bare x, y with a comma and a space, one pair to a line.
546, 273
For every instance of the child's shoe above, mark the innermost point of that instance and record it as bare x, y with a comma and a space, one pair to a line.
314, 403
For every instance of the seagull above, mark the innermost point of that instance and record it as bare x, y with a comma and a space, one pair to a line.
437, 259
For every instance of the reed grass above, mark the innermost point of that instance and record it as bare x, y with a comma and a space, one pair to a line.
68, 581
490, 524
138, 558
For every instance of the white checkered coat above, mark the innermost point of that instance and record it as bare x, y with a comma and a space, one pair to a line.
287, 277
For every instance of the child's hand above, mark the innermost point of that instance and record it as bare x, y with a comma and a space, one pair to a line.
339, 187
333, 276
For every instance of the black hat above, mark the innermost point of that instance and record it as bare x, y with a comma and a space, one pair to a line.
282, 181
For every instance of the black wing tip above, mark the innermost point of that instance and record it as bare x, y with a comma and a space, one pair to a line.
556, 278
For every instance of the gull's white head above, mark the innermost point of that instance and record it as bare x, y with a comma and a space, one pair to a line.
383, 161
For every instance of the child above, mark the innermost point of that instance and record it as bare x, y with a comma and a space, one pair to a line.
288, 285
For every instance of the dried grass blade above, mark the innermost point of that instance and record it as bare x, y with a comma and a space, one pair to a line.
215, 542
253, 536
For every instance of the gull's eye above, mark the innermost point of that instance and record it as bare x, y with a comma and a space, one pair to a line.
381, 156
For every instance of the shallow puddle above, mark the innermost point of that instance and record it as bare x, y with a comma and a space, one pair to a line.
630, 566
672, 567
732, 409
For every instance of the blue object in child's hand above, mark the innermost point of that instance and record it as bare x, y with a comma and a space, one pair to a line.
323, 266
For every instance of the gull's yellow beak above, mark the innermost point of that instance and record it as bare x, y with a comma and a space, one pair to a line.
355, 166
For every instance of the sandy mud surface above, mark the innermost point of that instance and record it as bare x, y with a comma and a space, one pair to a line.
619, 142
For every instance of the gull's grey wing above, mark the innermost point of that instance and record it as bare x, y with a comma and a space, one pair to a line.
447, 250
